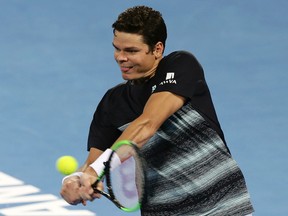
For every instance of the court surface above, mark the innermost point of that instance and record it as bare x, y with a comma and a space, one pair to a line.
56, 62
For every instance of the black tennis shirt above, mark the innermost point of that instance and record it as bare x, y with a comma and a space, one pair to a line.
178, 72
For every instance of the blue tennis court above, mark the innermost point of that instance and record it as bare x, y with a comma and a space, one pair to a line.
56, 62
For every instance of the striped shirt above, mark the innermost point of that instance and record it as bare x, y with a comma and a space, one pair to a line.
191, 172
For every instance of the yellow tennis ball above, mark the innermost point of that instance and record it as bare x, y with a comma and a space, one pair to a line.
66, 164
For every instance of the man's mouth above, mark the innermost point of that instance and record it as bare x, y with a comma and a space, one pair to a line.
125, 69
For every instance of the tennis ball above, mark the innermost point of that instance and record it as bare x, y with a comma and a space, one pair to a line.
66, 164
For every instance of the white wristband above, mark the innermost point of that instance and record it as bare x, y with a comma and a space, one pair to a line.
98, 164
79, 174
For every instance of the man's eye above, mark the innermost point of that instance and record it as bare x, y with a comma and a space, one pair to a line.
132, 51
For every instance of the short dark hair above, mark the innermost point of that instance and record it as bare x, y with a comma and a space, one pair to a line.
144, 21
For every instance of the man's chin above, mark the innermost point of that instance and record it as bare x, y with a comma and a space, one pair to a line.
126, 77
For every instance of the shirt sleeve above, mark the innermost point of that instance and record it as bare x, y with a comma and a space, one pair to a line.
102, 134
180, 73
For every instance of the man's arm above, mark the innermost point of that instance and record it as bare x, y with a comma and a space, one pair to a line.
159, 107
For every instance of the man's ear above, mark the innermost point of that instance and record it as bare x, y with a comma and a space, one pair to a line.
158, 50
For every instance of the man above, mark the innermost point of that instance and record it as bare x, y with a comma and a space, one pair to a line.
166, 108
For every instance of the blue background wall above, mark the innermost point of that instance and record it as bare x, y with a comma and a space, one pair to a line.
56, 62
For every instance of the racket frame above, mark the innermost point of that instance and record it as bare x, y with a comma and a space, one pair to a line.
106, 173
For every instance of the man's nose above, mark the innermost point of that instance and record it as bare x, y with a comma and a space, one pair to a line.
121, 56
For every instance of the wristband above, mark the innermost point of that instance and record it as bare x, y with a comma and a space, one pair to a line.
79, 174
98, 164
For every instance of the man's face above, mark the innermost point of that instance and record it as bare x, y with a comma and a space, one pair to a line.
133, 56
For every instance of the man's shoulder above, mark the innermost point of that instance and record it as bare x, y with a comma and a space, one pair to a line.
180, 53
180, 57
118, 86
117, 89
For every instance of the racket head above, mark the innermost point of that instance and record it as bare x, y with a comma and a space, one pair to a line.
125, 183
128, 180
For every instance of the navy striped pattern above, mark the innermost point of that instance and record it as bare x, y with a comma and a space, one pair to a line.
190, 171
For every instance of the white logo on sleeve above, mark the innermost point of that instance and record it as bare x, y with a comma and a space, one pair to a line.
153, 88
169, 76
169, 79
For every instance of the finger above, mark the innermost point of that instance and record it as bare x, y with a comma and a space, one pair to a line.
75, 202
69, 192
86, 193
84, 202
96, 195
86, 196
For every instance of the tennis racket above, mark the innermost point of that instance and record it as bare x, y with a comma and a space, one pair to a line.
124, 184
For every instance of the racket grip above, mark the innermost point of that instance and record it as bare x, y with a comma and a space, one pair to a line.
94, 185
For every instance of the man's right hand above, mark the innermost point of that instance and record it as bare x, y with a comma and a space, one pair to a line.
70, 190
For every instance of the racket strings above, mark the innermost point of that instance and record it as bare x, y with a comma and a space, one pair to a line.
139, 176
125, 183
131, 175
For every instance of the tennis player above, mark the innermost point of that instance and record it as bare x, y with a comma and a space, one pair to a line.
165, 107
